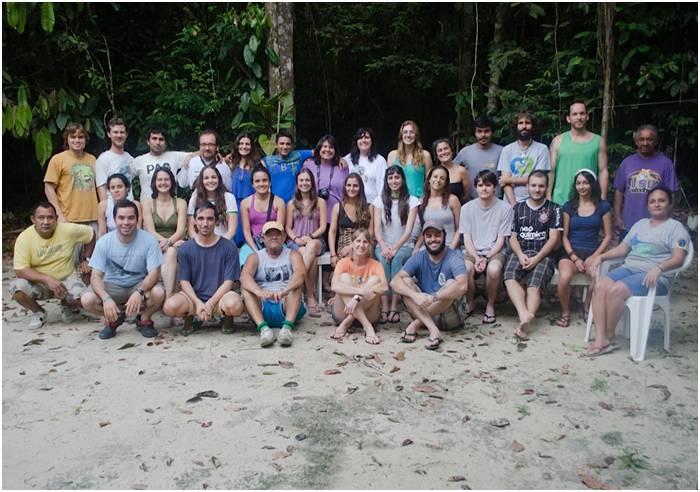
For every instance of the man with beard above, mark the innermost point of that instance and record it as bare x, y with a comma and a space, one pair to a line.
115, 160
637, 175
271, 284
537, 225
207, 268
125, 270
433, 285
482, 155
208, 154
520, 158
575, 150
43, 263
144, 165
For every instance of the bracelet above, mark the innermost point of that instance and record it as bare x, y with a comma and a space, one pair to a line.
106, 298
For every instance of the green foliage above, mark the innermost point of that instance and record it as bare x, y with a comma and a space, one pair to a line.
633, 459
523, 410
612, 438
599, 385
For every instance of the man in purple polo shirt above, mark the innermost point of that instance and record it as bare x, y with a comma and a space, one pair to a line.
637, 175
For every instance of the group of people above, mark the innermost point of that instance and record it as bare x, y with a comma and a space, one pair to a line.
418, 227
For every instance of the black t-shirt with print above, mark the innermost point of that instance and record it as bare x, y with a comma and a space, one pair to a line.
532, 226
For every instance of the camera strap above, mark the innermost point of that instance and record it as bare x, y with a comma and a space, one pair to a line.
318, 176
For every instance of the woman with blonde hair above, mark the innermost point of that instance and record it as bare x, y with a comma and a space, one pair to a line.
411, 157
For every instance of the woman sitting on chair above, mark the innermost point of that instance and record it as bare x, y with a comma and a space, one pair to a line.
651, 247
359, 283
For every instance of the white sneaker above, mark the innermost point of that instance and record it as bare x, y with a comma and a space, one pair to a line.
68, 315
285, 337
37, 320
267, 337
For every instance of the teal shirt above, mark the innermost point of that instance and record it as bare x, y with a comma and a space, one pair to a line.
415, 177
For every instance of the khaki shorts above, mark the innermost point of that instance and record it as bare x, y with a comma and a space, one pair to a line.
38, 291
499, 257
454, 316
121, 294
193, 307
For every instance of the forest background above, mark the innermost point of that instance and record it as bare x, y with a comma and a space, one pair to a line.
189, 66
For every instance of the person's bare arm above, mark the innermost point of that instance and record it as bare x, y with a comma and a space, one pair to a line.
50, 192
101, 219
109, 307
332, 233
181, 221
454, 204
505, 182
466, 184
232, 224
299, 275
552, 242
428, 161
553, 155
245, 223
619, 199
281, 209
101, 193
322, 219
408, 229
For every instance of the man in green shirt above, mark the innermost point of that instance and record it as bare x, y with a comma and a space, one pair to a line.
575, 150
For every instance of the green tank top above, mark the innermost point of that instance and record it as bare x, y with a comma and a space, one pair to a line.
415, 177
165, 228
571, 158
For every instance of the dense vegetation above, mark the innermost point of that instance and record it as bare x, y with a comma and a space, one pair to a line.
189, 66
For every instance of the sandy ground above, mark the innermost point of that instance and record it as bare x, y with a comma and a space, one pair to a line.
482, 412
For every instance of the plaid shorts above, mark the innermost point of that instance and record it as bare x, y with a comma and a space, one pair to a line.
454, 316
537, 277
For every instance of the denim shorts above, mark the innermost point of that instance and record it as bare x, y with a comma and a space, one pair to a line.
273, 313
634, 281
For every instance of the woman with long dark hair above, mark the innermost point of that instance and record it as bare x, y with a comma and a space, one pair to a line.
394, 214
209, 187
440, 205
330, 175
585, 214
244, 157
347, 216
460, 181
306, 226
118, 186
365, 160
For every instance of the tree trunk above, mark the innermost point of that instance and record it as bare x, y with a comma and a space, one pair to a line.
498, 37
606, 15
281, 39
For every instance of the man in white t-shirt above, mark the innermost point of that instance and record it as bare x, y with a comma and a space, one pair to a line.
144, 165
115, 160
208, 141
486, 225
520, 158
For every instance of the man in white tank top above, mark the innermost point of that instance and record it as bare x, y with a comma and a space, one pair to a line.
271, 284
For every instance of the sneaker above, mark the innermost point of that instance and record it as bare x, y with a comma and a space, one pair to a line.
285, 337
110, 329
146, 327
227, 325
267, 337
37, 320
68, 315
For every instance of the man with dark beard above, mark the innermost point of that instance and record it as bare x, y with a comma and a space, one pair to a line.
433, 285
520, 158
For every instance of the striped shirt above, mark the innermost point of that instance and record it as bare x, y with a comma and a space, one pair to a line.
532, 225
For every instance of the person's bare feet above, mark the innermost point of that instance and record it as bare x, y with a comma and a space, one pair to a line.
342, 329
521, 330
370, 335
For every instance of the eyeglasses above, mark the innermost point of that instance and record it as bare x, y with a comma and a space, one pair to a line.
207, 145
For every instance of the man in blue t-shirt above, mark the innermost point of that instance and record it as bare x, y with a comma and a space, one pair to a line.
285, 165
125, 270
433, 285
207, 268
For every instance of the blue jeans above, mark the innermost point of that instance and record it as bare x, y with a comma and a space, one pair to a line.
397, 262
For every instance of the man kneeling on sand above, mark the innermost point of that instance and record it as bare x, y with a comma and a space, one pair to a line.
44, 264
436, 298
271, 283
207, 267
125, 271
537, 225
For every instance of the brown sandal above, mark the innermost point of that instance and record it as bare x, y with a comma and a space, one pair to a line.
563, 321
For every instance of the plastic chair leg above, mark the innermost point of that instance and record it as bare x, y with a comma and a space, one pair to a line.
319, 286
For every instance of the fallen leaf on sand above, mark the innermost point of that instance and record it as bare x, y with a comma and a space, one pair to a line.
34, 341
352, 389
276, 466
400, 356
330, 372
280, 455
168, 461
664, 390
126, 346
466, 419
207, 424
517, 447
149, 410
215, 461
291, 384
342, 364
424, 388
406, 442
528, 391
198, 462
377, 358
300, 437
605, 406
104, 423
139, 486
286, 364
593, 483
499, 423
456, 478
394, 369
203, 394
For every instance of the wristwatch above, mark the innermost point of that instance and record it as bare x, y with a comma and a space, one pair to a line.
141, 293
357, 297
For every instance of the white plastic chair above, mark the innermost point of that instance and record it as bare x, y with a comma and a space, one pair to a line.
324, 259
637, 317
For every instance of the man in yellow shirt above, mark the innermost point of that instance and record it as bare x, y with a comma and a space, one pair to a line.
69, 182
44, 264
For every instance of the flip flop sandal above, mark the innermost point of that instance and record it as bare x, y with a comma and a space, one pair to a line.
605, 350
433, 343
407, 337
384, 317
488, 319
315, 311
563, 321
393, 317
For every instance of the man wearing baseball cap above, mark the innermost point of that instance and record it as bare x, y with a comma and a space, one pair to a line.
271, 283
433, 285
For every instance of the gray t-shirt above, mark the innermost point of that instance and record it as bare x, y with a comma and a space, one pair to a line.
521, 163
485, 225
109, 163
653, 245
476, 159
393, 231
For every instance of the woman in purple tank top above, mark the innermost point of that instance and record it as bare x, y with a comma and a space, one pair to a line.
262, 206
306, 225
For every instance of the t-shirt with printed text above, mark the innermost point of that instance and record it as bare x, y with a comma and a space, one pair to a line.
521, 163
532, 225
